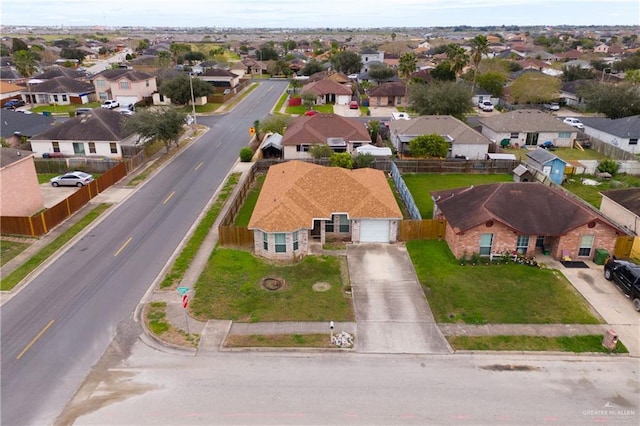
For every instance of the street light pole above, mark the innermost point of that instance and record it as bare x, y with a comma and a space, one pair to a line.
193, 101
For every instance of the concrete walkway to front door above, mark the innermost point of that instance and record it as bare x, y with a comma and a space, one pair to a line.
392, 313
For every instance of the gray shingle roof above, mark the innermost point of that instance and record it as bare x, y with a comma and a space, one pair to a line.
59, 71
626, 127
525, 120
63, 85
26, 124
11, 155
440, 125
542, 156
99, 125
120, 73
628, 198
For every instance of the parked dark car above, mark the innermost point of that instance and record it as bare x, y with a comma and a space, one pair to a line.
626, 275
14, 103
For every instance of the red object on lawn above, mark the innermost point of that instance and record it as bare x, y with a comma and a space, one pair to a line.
311, 112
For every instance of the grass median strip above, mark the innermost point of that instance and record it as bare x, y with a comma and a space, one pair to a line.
577, 344
11, 280
157, 322
279, 341
185, 258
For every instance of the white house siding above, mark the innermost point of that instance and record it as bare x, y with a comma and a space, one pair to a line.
103, 149
521, 140
620, 215
290, 153
470, 151
620, 142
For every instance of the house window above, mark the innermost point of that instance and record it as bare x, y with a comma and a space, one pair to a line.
124, 85
357, 145
633, 141
55, 98
343, 223
92, 147
586, 242
113, 147
486, 242
281, 243
265, 241
56, 146
103, 96
328, 225
522, 245
514, 135
295, 240
302, 148
147, 82
101, 83
564, 135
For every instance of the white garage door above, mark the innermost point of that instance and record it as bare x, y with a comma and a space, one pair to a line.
374, 231
126, 100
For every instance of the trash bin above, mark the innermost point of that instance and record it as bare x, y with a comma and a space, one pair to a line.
610, 340
46, 113
601, 256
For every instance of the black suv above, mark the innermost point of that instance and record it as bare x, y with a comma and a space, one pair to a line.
626, 275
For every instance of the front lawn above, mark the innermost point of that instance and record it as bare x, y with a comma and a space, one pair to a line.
58, 109
230, 288
421, 185
280, 341
494, 294
301, 109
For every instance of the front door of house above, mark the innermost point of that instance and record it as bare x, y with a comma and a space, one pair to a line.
532, 139
315, 232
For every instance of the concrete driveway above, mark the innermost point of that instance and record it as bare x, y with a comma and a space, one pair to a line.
391, 310
345, 111
609, 302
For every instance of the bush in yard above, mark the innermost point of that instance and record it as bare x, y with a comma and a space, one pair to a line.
608, 166
341, 159
246, 154
320, 151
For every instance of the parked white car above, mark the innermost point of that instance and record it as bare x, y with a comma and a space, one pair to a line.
553, 106
110, 104
486, 106
573, 122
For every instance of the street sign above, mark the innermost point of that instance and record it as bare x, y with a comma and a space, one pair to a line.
183, 290
252, 131
185, 301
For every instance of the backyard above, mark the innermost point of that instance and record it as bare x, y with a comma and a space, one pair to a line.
495, 293
231, 287
591, 193
421, 185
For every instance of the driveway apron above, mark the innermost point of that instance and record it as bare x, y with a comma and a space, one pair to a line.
392, 313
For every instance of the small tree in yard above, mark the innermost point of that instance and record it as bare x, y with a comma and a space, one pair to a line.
429, 146
320, 151
608, 166
308, 99
165, 124
275, 124
363, 161
341, 159
246, 154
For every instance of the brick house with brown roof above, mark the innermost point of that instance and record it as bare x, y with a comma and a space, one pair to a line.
340, 133
301, 202
393, 93
522, 217
328, 91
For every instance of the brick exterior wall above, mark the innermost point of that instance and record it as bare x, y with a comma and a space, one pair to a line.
289, 254
505, 239
19, 189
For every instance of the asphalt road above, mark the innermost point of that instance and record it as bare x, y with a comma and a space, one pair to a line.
56, 328
262, 388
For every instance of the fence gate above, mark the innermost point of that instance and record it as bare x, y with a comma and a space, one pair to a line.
623, 247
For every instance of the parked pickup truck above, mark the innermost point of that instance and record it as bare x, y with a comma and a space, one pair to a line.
626, 275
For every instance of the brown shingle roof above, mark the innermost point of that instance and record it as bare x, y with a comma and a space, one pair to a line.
527, 208
326, 87
295, 192
317, 128
394, 88
628, 198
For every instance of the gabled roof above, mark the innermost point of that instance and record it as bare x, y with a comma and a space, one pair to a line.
329, 75
59, 71
575, 85
8, 73
63, 85
326, 87
542, 156
9, 156
440, 125
318, 128
527, 208
393, 88
295, 192
217, 72
98, 125
25, 124
117, 74
524, 120
625, 127
628, 198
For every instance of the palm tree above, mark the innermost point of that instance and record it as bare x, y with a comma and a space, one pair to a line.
25, 64
479, 47
458, 58
164, 58
407, 65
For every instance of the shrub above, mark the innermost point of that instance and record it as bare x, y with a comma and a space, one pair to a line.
608, 166
246, 154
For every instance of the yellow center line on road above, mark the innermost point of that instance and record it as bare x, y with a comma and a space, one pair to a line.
26, 348
123, 246
166, 200
199, 165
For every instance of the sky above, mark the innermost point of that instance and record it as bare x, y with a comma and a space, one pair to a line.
317, 13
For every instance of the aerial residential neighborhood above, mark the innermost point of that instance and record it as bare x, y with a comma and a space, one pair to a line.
343, 223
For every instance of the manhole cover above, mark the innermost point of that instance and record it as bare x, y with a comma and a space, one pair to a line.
272, 283
321, 286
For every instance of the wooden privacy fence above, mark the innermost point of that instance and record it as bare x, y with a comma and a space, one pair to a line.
425, 229
235, 236
624, 247
43, 222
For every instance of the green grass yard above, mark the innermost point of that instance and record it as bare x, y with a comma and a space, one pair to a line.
577, 344
244, 215
591, 194
494, 294
230, 288
421, 185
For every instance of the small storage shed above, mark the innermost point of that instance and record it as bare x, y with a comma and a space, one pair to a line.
548, 163
272, 146
522, 174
